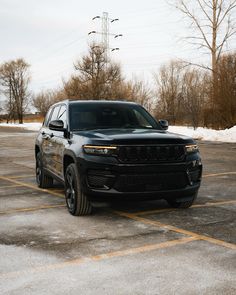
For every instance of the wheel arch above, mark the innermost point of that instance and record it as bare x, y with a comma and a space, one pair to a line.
36, 150
68, 158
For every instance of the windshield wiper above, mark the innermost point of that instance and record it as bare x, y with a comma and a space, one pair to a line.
91, 128
127, 126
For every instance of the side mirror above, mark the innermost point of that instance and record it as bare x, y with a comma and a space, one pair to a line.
164, 124
57, 125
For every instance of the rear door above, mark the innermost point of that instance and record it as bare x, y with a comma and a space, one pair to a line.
59, 142
44, 136
47, 142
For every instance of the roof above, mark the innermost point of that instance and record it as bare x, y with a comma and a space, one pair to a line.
102, 101
68, 101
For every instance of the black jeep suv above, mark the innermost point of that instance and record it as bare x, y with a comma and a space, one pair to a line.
114, 149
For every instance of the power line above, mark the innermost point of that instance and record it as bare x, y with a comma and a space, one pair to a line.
61, 48
52, 42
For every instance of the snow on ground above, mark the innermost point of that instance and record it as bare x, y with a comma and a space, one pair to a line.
227, 135
28, 126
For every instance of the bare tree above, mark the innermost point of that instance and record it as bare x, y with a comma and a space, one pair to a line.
96, 76
44, 99
213, 22
138, 91
226, 95
14, 80
214, 25
169, 91
195, 95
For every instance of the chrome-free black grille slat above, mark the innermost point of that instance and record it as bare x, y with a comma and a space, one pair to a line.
150, 154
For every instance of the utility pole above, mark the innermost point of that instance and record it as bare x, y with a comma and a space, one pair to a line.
105, 32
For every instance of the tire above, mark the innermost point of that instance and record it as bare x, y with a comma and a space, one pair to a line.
43, 180
76, 201
182, 204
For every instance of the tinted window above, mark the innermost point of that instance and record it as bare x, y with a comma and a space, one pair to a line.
46, 119
55, 113
62, 115
142, 119
103, 115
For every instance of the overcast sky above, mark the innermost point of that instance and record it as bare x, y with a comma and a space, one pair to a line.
52, 34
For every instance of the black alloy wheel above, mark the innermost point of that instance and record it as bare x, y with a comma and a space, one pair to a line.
76, 201
43, 180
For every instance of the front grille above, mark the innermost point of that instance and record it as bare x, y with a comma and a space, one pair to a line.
151, 154
153, 182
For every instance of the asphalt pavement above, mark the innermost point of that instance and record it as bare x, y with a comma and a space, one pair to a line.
123, 248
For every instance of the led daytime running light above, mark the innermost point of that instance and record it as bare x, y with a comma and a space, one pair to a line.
99, 150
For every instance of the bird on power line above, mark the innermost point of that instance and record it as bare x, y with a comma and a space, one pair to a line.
97, 16
92, 32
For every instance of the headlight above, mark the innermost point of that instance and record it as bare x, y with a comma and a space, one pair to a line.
192, 148
100, 150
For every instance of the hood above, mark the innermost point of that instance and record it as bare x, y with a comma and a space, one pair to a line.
134, 136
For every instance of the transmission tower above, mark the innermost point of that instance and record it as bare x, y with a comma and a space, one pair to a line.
105, 32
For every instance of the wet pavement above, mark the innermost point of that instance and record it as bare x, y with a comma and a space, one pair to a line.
129, 248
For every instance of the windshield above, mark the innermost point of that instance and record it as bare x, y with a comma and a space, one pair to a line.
86, 116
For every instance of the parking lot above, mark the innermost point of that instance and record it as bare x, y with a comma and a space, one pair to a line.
123, 248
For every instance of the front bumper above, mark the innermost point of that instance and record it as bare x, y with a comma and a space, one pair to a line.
140, 181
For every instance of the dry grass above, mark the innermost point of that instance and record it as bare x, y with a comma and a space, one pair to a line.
33, 118
27, 119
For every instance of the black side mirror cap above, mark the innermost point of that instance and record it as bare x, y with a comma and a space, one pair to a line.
57, 125
164, 124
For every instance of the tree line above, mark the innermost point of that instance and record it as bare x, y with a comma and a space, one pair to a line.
182, 92
185, 94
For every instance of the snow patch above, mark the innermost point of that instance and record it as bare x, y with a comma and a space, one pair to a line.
28, 126
227, 135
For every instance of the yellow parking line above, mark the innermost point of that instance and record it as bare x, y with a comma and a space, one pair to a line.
144, 248
162, 210
214, 204
11, 186
58, 190
32, 187
219, 174
20, 176
140, 213
100, 257
31, 209
177, 230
